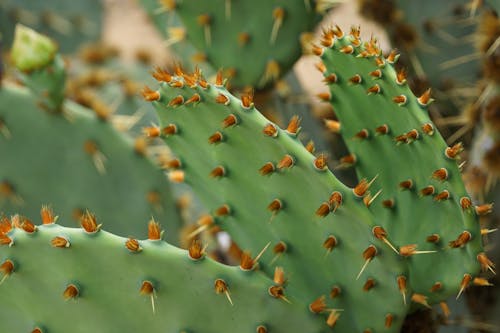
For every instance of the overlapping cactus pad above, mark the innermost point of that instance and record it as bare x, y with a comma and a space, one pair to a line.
255, 41
58, 279
407, 233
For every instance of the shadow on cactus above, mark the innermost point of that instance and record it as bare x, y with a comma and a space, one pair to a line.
336, 258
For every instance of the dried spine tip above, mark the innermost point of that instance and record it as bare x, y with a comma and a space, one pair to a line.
368, 254
406, 184
154, 230
362, 187
146, 288
400, 100
318, 305
481, 282
151, 131
162, 75
392, 57
215, 138
246, 262
222, 99
330, 78
461, 240
335, 200
150, 95
275, 206
279, 276
374, 89
401, 280
453, 151
170, 129
88, 222
464, 284
428, 128
278, 16
193, 99
286, 162
247, 100
434, 238
440, 174
330, 243
382, 130
261, 329
317, 50
484, 209
270, 130
176, 101
320, 162
381, 234
428, 190
332, 125
196, 250
348, 49
356, 79
425, 99
70, 292
218, 172
369, 284
223, 210
323, 210
410, 250
420, 299
60, 242
229, 121
486, 263
443, 195
267, 168
133, 245
388, 320
294, 125
401, 77
348, 160
6, 268
320, 66
436, 287
412, 135
332, 318
221, 287
335, 291
376, 74
324, 96
47, 215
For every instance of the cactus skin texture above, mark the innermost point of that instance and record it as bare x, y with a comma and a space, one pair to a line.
225, 143
53, 161
254, 51
69, 23
71, 158
113, 295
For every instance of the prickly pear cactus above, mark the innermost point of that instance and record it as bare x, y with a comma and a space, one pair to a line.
253, 52
74, 160
69, 23
362, 245
92, 280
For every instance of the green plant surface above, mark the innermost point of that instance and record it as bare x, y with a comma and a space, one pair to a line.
255, 51
303, 216
112, 295
74, 161
69, 23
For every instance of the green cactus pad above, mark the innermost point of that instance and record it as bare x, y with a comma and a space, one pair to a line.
257, 41
290, 203
74, 161
408, 150
69, 23
94, 283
